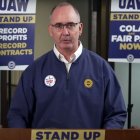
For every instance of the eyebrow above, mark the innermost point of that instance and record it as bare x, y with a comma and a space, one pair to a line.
65, 23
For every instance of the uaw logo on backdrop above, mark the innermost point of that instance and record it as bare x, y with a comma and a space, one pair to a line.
17, 29
124, 36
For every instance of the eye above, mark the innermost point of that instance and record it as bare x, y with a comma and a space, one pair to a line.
70, 25
59, 26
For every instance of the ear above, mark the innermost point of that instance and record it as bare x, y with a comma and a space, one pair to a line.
80, 28
50, 30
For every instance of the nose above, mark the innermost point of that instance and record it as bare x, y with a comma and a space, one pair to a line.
65, 31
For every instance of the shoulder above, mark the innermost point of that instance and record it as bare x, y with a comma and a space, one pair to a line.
44, 58
96, 59
98, 62
39, 63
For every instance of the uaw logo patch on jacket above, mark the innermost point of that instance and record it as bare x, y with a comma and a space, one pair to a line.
88, 83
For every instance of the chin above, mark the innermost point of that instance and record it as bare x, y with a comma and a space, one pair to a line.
65, 46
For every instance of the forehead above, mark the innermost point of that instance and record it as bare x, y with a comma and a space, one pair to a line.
64, 14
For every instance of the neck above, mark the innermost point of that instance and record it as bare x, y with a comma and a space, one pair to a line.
68, 52
67, 55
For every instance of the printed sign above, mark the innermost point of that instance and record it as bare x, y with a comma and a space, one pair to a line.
67, 134
17, 30
124, 37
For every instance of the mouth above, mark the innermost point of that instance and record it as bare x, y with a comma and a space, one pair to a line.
66, 41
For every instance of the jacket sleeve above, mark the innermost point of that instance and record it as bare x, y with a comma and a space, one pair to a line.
21, 108
115, 112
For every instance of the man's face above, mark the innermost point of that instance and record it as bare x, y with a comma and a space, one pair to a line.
65, 28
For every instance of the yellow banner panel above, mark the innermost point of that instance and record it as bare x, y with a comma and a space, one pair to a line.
6, 19
125, 16
67, 134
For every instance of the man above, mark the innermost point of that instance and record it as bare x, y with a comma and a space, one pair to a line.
70, 86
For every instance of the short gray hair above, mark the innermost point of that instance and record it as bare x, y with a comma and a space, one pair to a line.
65, 4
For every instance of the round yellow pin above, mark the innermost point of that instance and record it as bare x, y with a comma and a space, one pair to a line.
88, 83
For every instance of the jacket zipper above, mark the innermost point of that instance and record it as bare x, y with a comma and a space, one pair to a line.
67, 80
